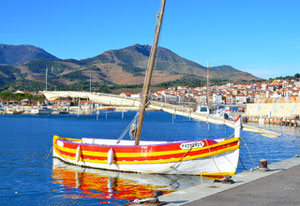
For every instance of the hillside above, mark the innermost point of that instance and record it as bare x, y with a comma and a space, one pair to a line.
15, 55
114, 69
168, 65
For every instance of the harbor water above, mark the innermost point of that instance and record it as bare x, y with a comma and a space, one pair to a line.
29, 175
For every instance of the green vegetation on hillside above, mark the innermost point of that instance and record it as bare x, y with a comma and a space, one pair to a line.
182, 82
96, 87
93, 68
8, 72
195, 82
77, 75
74, 61
40, 65
124, 56
8, 69
100, 58
296, 76
136, 71
23, 85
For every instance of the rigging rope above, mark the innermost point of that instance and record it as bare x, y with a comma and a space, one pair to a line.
127, 128
208, 147
49, 153
130, 126
133, 129
249, 153
254, 166
214, 159
242, 163
179, 161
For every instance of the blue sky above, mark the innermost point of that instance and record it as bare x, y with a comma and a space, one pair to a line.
261, 37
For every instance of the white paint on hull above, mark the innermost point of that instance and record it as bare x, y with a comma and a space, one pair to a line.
222, 163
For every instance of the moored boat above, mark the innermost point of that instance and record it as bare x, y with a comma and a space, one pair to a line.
64, 111
216, 157
41, 111
13, 110
203, 109
208, 157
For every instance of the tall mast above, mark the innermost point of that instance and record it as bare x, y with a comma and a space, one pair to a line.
207, 82
149, 73
46, 78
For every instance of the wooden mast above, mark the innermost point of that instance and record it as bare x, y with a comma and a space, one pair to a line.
149, 74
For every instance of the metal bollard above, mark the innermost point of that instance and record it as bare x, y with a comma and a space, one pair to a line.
153, 201
263, 165
226, 180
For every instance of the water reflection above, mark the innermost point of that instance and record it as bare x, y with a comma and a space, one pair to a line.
103, 184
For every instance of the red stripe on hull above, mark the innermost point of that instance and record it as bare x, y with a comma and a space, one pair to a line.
131, 149
180, 154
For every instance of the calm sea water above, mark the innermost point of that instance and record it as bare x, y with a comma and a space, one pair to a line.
29, 178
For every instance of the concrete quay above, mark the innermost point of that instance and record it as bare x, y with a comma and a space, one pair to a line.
278, 186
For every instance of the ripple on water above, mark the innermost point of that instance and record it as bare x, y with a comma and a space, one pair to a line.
26, 175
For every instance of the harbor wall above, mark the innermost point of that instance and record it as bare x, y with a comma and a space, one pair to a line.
279, 110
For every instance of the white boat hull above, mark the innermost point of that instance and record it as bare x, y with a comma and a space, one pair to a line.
219, 165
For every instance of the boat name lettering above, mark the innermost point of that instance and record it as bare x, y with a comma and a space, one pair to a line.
192, 144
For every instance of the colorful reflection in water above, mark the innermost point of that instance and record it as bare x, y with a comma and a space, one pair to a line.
109, 185
26, 140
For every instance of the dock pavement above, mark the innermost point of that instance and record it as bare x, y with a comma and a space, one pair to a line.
277, 187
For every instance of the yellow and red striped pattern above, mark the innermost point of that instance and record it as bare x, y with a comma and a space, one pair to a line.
141, 154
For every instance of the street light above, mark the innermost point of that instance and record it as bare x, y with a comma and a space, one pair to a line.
90, 83
46, 78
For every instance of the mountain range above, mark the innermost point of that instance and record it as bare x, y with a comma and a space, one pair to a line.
24, 67
14, 55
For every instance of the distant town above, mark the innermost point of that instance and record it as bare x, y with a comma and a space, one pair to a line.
280, 90
277, 90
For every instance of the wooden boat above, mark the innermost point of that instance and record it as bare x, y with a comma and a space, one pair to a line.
207, 157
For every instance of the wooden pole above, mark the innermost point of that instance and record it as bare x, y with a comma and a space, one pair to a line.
149, 73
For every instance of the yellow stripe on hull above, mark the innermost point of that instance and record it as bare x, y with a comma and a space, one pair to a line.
208, 154
147, 154
218, 174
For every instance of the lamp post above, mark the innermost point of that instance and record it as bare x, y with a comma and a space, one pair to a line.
46, 78
90, 83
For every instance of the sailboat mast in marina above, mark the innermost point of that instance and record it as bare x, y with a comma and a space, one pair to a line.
207, 83
216, 157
